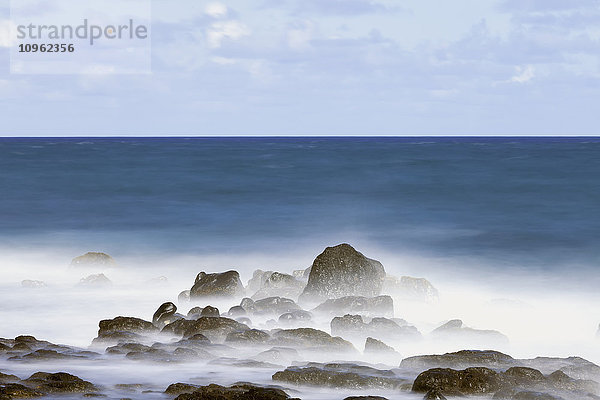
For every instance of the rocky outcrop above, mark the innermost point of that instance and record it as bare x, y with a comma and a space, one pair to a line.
412, 289
251, 336
93, 259
274, 306
380, 306
342, 271
59, 382
225, 284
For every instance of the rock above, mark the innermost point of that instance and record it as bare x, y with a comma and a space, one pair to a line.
163, 314
374, 346
59, 382
214, 328
259, 277
27, 283
278, 355
295, 316
277, 284
184, 297
236, 311
471, 381
98, 280
434, 394
92, 259
124, 329
455, 329
179, 388
460, 360
195, 312
235, 392
528, 395
269, 306
311, 338
409, 288
248, 336
561, 381
225, 284
210, 311
354, 327
342, 271
6, 378
380, 306
333, 375
365, 398
523, 376
17, 391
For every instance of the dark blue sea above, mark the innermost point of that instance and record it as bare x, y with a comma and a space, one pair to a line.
512, 201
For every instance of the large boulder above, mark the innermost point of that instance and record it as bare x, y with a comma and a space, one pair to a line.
93, 259
460, 360
59, 382
380, 306
342, 271
471, 381
224, 284
124, 329
165, 314
240, 391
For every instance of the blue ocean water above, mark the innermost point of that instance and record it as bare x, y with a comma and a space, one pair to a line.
514, 200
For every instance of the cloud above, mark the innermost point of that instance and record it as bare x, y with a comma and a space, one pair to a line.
219, 31
332, 7
545, 5
7, 33
216, 10
523, 74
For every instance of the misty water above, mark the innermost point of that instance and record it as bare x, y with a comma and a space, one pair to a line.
507, 230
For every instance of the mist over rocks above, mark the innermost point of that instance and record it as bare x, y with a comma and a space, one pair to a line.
95, 281
410, 289
456, 330
342, 271
380, 306
219, 285
94, 259
276, 284
32, 284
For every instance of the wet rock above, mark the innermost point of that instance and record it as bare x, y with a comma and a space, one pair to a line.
195, 313
380, 306
31, 284
93, 259
471, 381
124, 348
184, 297
7, 378
235, 392
409, 288
277, 284
163, 315
249, 336
48, 355
180, 354
374, 346
273, 306
455, 329
59, 382
353, 326
342, 271
561, 381
460, 360
523, 376
236, 311
214, 328
17, 391
295, 316
434, 394
311, 338
124, 329
98, 280
210, 311
575, 367
335, 375
224, 284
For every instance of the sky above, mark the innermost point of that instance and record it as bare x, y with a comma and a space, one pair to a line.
331, 67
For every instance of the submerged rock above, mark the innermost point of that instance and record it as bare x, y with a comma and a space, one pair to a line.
409, 288
342, 271
335, 375
17, 391
295, 316
269, 306
93, 259
98, 280
380, 306
224, 284
248, 336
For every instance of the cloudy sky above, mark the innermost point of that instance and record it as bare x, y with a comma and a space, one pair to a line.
332, 67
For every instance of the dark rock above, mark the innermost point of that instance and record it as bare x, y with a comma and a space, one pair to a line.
374, 346
27, 283
179, 388
92, 259
523, 376
17, 391
295, 316
460, 360
375, 306
214, 328
235, 392
409, 288
98, 280
124, 348
6, 378
273, 306
471, 381
124, 329
434, 394
195, 313
342, 271
339, 376
163, 314
59, 382
311, 338
210, 311
561, 381
236, 311
225, 284
249, 336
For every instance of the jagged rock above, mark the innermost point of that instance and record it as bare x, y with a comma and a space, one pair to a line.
295, 316
380, 306
311, 338
184, 297
339, 376
214, 328
163, 315
248, 336
409, 288
210, 311
470, 381
30, 284
225, 284
353, 326
374, 346
456, 329
277, 284
59, 382
242, 391
460, 360
93, 259
98, 280
342, 271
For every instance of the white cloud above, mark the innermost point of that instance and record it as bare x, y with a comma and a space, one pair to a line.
524, 74
7, 33
225, 30
216, 10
